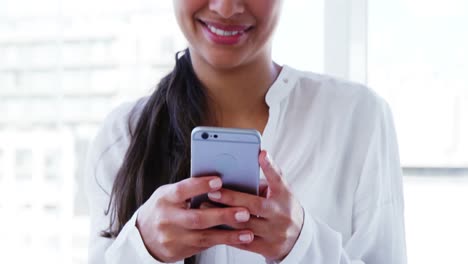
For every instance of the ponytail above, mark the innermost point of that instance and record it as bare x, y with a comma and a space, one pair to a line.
159, 150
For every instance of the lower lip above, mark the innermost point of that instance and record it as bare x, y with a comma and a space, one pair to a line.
223, 40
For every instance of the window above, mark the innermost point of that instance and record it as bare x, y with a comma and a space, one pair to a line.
417, 59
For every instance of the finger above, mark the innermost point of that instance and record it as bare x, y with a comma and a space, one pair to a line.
258, 245
207, 205
256, 205
197, 219
263, 188
272, 172
258, 226
181, 191
211, 237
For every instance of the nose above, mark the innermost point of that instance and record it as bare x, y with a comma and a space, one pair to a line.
227, 8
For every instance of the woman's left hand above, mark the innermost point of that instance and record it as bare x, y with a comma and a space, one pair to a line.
279, 215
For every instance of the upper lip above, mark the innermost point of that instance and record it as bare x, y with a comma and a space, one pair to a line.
226, 27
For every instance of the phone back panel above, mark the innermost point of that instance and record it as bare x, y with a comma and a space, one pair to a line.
229, 153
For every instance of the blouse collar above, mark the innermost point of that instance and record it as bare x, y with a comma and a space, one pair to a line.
282, 86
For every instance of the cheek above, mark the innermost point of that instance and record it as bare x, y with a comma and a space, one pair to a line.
185, 11
184, 16
266, 13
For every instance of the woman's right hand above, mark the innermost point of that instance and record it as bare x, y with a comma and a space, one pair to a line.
172, 231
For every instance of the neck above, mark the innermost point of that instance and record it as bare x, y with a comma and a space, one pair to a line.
237, 96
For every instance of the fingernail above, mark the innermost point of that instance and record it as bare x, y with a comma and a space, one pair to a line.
245, 237
242, 216
214, 195
215, 183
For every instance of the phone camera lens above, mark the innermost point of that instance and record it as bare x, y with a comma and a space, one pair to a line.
205, 135
215, 136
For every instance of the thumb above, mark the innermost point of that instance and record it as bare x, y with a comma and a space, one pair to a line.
273, 173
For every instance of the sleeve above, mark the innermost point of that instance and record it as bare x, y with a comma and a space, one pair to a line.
378, 232
105, 156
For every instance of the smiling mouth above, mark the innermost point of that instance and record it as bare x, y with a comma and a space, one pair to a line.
225, 31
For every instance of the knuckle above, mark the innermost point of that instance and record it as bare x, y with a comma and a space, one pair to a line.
226, 197
263, 206
194, 220
165, 241
283, 218
288, 220
282, 237
159, 195
158, 201
178, 190
279, 171
236, 225
204, 240
162, 223
167, 247
162, 189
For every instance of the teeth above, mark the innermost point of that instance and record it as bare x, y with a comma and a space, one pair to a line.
221, 32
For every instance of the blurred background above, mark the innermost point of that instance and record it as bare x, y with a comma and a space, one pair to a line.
64, 64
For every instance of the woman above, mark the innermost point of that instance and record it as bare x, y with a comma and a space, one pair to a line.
332, 195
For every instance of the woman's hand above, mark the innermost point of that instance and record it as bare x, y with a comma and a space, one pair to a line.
171, 231
280, 215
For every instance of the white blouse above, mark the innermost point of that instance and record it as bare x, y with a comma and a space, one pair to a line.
336, 144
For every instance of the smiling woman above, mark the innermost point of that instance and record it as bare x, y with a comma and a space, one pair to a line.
332, 193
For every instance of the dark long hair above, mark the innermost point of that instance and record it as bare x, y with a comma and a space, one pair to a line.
159, 150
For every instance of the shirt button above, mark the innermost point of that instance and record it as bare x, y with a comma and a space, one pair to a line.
285, 80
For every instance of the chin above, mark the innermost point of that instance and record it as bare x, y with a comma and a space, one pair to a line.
223, 64
224, 60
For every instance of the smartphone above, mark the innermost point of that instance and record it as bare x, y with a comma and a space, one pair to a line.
230, 153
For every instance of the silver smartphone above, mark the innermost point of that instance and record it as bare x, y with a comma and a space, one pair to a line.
230, 153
